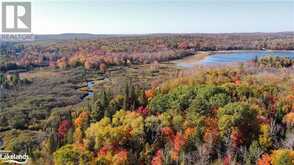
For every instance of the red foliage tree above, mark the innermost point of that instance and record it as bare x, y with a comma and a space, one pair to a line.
227, 160
63, 127
236, 138
157, 158
143, 111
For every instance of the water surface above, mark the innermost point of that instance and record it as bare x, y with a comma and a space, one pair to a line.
243, 56
233, 57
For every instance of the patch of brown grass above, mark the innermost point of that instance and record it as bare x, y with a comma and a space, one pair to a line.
41, 74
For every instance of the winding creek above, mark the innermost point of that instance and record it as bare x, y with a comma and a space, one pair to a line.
90, 85
89, 89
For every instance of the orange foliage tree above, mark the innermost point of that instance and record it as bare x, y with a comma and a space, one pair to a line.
149, 94
264, 160
289, 118
177, 140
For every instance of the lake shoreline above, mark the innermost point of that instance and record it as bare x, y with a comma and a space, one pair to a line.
244, 51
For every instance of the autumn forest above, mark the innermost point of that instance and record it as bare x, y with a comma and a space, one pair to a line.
120, 100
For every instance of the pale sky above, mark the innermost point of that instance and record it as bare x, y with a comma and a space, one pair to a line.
161, 16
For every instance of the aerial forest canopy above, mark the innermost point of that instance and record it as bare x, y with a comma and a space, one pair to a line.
119, 100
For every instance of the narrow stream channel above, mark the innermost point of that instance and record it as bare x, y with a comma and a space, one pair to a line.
90, 86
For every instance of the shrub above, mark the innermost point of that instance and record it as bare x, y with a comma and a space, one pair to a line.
72, 155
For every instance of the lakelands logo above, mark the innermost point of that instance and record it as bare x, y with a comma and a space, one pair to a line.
16, 21
10, 157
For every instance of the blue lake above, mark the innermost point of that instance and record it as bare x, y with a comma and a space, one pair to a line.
231, 57
224, 58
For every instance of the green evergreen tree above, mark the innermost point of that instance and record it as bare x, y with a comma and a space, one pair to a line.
52, 142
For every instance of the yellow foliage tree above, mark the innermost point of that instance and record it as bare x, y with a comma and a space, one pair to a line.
124, 125
264, 136
282, 157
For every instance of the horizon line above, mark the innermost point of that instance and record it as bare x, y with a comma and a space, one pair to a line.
159, 33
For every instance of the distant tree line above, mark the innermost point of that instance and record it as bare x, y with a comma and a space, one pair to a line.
139, 49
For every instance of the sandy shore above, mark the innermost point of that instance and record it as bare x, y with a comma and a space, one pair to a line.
192, 60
